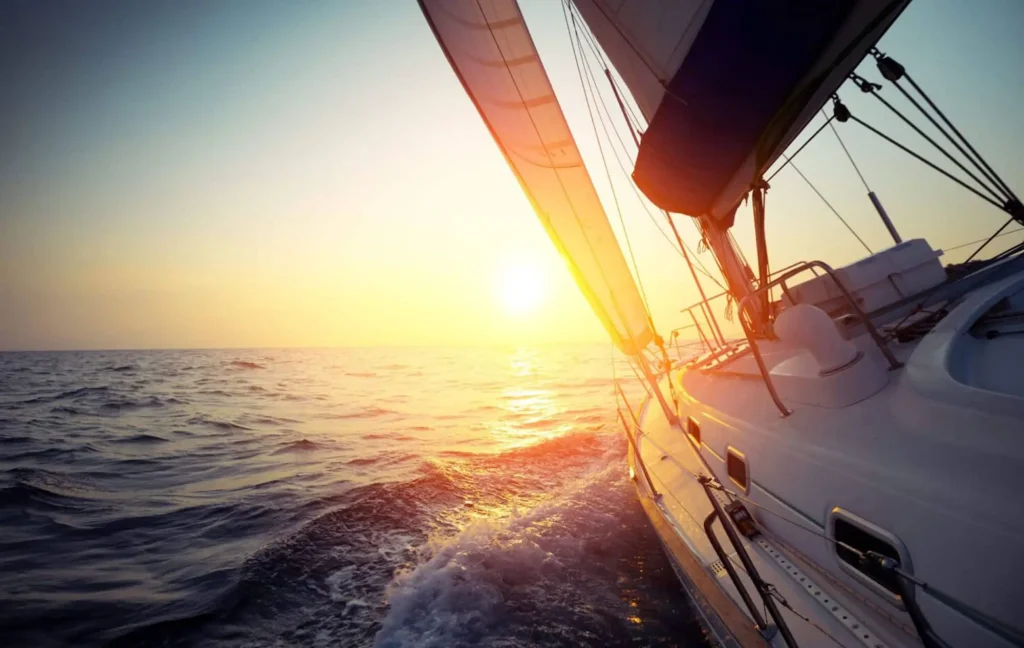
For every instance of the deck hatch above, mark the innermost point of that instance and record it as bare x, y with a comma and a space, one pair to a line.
736, 467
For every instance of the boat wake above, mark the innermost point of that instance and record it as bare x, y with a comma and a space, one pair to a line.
537, 545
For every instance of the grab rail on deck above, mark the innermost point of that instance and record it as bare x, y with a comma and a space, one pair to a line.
781, 281
731, 570
713, 342
763, 589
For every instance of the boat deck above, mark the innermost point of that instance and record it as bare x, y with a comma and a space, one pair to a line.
683, 506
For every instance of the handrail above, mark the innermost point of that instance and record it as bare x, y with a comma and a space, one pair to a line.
781, 280
723, 557
762, 588
726, 292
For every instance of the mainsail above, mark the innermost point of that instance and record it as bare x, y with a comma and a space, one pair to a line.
726, 85
492, 52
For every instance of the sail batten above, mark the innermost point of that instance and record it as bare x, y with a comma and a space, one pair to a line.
491, 51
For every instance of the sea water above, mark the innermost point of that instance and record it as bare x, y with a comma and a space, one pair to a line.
340, 497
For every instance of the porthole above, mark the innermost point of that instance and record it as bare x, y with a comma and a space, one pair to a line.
736, 467
854, 534
693, 429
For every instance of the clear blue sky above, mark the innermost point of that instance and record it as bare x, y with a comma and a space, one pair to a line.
250, 173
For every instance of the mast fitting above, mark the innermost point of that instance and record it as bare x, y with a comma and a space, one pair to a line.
890, 68
839, 110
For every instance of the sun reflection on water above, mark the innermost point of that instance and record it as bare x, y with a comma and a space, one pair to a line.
528, 416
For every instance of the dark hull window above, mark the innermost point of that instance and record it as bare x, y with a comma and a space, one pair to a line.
736, 466
853, 536
693, 429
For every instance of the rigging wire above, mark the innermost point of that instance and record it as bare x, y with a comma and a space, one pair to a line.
625, 149
893, 72
980, 163
682, 249
847, 151
872, 89
827, 203
987, 238
797, 152
636, 127
640, 55
994, 176
774, 593
604, 160
592, 43
927, 162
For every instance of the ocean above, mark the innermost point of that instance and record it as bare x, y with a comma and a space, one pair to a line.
325, 497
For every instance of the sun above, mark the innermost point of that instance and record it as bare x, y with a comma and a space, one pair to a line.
520, 288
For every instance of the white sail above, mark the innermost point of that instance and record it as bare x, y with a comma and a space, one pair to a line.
726, 85
492, 52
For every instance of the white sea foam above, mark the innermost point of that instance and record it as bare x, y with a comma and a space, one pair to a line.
473, 582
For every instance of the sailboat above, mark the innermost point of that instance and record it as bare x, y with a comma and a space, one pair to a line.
848, 470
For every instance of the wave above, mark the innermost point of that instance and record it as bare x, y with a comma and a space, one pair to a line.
126, 404
302, 445
323, 582
18, 438
141, 438
120, 368
552, 575
245, 364
390, 435
367, 412
202, 420
214, 392
264, 419
34, 487
48, 454
71, 393
28, 496
362, 461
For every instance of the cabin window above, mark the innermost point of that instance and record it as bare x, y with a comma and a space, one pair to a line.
857, 533
736, 466
693, 429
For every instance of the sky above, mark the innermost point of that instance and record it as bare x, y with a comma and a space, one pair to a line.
257, 173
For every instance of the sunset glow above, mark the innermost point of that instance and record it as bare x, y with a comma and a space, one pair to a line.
265, 183
520, 288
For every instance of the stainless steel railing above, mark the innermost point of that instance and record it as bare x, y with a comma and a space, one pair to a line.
780, 281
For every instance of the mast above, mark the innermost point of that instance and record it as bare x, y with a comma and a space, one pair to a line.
737, 273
